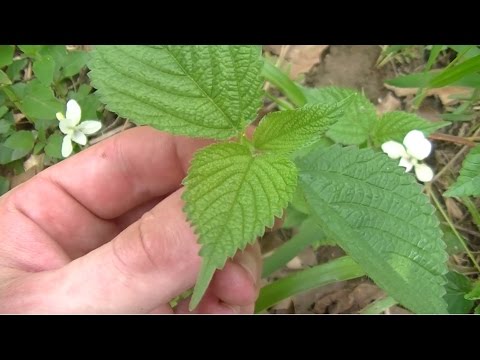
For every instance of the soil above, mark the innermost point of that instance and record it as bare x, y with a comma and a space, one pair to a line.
352, 67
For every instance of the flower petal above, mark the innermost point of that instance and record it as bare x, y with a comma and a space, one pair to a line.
417, 145
60, 116
74, 112
79, 137
89, 126
66, 126
394, 149
423, 172
407, 164
67, 147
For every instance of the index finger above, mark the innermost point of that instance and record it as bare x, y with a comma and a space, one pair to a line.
126, 170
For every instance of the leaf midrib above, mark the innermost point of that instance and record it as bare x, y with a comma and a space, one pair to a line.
234, 127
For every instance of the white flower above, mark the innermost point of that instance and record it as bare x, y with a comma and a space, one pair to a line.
414, 149
72, 128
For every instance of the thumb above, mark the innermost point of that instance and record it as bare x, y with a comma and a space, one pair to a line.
148, 264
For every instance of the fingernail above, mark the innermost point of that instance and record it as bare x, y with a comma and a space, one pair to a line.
248, 262
235, 308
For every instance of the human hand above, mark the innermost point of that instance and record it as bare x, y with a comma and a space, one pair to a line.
104, 232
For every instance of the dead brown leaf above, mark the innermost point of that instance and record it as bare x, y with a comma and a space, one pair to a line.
387, 104
447, 95
453, 210
301, 57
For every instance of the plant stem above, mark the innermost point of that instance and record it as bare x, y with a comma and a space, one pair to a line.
340, 269
452, 226
472, 209
379, 306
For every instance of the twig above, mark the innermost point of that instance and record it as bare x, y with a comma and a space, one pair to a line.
452, 138
455, 158
468, 231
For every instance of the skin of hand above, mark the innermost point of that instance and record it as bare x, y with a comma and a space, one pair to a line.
104, 232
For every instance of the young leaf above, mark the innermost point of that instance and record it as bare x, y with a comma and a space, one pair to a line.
457, 286
359, 115
202, 91
20, 140
290, 130
468, 183
14, 69
39, 102
378, 214
231, 195
4, 185
6, 54
43, 69
54, 146
395, 125
75, 61
4, 80
474, 293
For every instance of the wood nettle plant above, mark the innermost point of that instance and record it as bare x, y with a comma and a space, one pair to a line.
236, 187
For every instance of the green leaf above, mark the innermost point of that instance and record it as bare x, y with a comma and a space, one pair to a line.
38, 147
378, 214
457, 286
6, 54
203, 91
4, 80
477, 310
293, 218
416, 80
468, 183
474, 293
3, 110
43, 69
4, 185
89, 103
454, 246
54, 146
290, 130
14, 69
395, 125
455, 73
39, 101
283, 82
359, 116
231, 195
5, 126
16, 146
75, 61
20, 140
31, 50
340, 269
308, 234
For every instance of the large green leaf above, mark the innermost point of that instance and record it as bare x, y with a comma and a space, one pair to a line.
395, 125
231, 195
468, 183
359, 115
203, 91
378, 214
